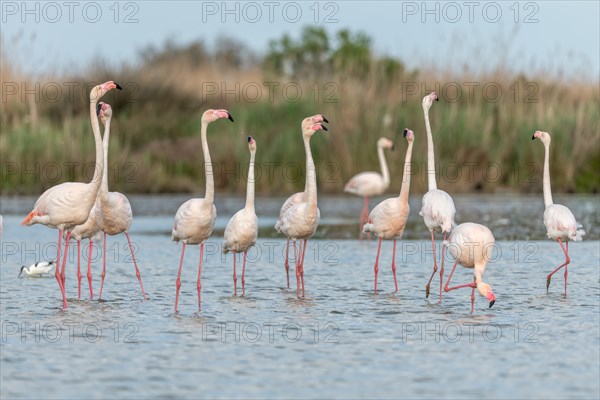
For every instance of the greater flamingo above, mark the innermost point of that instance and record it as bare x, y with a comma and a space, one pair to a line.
242, 229
195, 218
369, 184
67, 205
471, 245
113, 213
296, 198
559, 220
301, 220
437, 207
388, 218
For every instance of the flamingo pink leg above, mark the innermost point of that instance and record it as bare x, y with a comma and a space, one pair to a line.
434, 266
297, 270
89, 270
364, 216
376, 268
57, 272
199, 284
394, 265
302, 265
234, 276
442, 267
178, 281
244, 275
287, 263
137, 271
79, 269
103, 267
472, 285
65, 256
565, 264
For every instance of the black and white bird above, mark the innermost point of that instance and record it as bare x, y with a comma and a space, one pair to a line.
37, 269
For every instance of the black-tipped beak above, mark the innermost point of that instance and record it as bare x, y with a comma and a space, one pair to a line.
249, 139
118, 86
230, 117
405, 132
22, 268
492, 303
324, 119
437, 98
533, 137
98, 108
324, 127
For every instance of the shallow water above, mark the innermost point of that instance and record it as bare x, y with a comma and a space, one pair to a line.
340, 341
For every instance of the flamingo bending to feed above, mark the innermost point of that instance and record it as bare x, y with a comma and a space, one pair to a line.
113, 210
471, 245
301, 220
388, 218
69, 204
195, 218
559, 220
242, 229
369, 184
296, 198
437, 207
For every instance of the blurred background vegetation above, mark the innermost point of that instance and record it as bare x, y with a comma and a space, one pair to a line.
482, 138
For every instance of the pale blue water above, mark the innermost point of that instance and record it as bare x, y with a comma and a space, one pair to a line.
341, 341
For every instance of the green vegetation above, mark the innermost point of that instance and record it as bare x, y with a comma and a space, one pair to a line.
482, 131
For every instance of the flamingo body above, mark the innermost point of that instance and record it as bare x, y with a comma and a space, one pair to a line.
438, 211
366, 184
194, 221
561, 224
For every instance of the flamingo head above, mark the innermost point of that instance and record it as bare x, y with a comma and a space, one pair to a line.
543, 136
213, 115
310, 130
486, 291
104, 112
409, 135
98, 91
306, 122
385, 143
251, 144
429, 99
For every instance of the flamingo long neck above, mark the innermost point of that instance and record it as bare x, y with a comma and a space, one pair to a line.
311, 178
210, 184
405, 188
104, 186
478, 274
250, 189
94, 185
547, 190
430, 154
384, 168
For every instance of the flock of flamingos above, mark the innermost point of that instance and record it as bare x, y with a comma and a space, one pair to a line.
88, 210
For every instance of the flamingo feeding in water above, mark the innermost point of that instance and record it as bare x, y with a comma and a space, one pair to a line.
69, 204
559, 220
369, 184
113, 210
301, 220
296, 198
242, 229
437, 207
195, 219
471, 245
388, 218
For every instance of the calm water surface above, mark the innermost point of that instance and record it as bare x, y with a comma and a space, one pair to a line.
340, 341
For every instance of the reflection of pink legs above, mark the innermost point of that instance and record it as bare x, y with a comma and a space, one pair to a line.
376, 268
394, 265
137, 271
287, 263
78, 269
178, 281
565, 264
364, 216
89, 270
434, 266
199, 284
57, 274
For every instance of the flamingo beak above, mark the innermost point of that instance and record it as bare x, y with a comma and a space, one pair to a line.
533, 137
324, 119
98, 109
491, 297
229, 117
405, 132
324, 127
117, 86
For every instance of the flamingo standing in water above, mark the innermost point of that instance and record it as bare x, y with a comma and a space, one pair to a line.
113, 210
242, 229
388, 218
69, 204
296, 198
301, 220
369, 184
471, 245
195, 218
559, 220
437, 208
